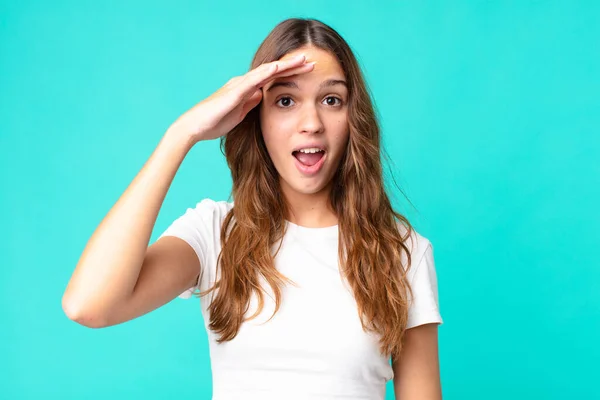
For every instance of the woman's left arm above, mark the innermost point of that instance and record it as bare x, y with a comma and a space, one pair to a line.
417, 372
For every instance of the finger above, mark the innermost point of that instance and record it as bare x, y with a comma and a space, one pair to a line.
268, 70
258, 77
291, 72
247, 88
252, 102
288, 72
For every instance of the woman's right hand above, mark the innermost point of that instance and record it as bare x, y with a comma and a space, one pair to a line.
219, 113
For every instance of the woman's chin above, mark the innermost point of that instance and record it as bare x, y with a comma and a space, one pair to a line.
306, 186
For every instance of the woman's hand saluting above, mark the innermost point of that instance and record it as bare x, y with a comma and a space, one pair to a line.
219, 113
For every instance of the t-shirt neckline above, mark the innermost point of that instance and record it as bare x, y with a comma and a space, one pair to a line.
327, 231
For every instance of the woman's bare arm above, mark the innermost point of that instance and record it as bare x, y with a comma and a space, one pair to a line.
118, 277
417, 372
110, 265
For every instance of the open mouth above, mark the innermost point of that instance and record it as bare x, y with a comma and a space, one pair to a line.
308, 159
309, 162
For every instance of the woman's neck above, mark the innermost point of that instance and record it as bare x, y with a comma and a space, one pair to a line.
311, 210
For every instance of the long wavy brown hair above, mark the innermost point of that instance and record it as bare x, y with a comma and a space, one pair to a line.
370, 239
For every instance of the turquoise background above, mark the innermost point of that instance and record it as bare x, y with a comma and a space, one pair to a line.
490, 111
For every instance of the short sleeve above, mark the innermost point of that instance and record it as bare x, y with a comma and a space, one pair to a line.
200, 227
422, 276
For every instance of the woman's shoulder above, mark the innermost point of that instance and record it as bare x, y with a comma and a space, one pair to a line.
205, 215
207, 202
215, 208
416, 243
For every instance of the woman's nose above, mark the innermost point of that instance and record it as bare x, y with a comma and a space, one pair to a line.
310, 120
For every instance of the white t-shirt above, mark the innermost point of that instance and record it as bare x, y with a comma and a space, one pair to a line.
314, 347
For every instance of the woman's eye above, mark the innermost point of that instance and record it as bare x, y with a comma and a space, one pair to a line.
334, 98
286, 100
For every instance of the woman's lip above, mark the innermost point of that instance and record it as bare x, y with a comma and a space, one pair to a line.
310, 170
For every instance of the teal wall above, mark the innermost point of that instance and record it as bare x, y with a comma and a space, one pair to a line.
490, 111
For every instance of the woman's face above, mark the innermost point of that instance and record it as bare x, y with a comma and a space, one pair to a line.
306, 112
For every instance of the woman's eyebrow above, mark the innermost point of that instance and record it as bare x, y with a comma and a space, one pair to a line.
294, 85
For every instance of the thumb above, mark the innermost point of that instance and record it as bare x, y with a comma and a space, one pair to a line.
252, 102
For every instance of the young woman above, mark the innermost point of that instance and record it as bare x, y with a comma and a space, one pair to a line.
309, 280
